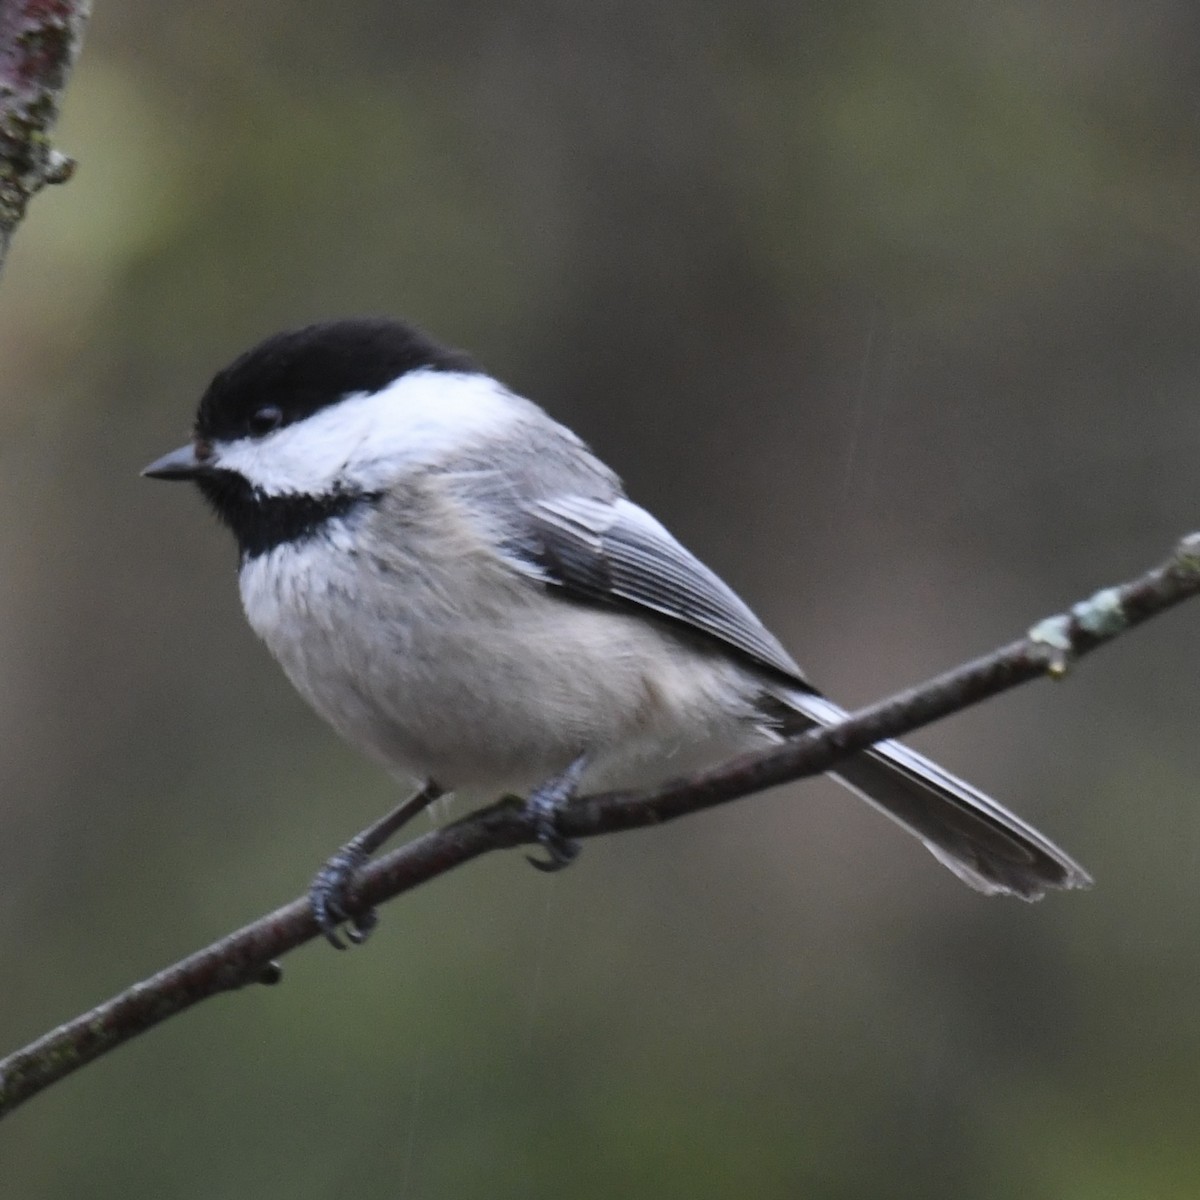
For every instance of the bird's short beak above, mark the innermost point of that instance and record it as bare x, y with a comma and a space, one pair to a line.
179, 464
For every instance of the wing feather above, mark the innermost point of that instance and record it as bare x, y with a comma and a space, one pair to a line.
614, 552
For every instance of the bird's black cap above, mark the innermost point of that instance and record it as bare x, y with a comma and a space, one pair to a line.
304, 370
280, 381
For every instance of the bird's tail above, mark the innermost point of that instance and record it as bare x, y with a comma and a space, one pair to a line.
984, 844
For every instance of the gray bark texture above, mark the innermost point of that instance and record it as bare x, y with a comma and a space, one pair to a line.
39, 42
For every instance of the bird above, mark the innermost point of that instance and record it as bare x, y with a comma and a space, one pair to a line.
464, 591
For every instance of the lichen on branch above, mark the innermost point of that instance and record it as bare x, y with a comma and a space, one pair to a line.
39, 42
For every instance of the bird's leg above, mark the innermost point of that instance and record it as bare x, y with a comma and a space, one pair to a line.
544, 804
332, 888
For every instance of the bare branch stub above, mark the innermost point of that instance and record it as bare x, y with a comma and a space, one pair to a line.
39, 42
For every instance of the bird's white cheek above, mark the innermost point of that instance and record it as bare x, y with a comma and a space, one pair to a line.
294, 461
364, 440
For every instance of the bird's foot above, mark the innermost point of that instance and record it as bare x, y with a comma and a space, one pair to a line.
544, 805
333, 893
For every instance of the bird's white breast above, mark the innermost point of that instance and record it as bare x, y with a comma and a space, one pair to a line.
429, 653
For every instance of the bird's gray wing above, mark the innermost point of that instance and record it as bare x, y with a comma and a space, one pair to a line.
610, 551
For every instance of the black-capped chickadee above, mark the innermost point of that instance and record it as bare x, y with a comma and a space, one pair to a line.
464, 591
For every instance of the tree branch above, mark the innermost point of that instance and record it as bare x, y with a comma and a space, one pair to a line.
247, 955
39, 42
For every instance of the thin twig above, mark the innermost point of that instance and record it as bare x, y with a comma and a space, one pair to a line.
39, 42
248, 955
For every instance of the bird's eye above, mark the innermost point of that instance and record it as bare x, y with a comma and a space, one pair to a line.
264, 420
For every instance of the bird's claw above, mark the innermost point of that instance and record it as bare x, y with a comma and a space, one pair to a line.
545, 803
334, 889
560, 852
332, 894
360, 927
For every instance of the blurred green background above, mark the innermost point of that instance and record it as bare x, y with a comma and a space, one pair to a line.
890, 311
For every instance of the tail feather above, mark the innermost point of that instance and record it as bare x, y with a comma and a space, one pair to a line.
983, 843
